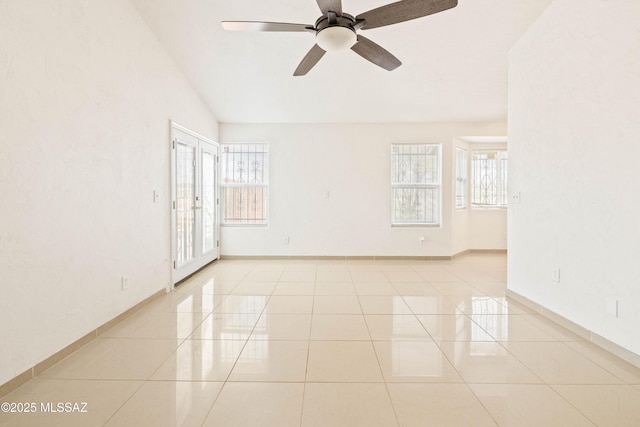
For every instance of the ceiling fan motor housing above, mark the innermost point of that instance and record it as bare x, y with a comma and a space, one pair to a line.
335, 33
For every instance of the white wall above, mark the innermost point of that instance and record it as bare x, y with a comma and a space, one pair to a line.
573, 154
86, 97
351, 162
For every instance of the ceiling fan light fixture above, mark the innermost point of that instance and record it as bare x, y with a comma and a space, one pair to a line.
336, 38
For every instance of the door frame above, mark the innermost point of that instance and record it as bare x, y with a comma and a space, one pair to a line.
201, 259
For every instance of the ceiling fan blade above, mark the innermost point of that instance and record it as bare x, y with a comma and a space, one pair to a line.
375, 53
327, 6
310, 60
265, 26
401, 11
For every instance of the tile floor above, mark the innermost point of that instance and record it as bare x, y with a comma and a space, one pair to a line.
338, 343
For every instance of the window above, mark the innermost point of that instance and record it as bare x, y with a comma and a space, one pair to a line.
245, 184
489, 178
461, 178
415, 184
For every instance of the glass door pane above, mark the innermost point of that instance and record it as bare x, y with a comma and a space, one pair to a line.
185, 203
208, 201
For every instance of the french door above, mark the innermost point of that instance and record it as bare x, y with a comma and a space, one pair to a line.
195, 219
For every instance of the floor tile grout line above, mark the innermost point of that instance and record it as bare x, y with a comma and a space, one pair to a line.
622, 381
125, 402
204, 420
386, 387
306, 368
481, 403
502, 344
505, 344
421, 314
146, 381
226, 380
571, 404
602, 366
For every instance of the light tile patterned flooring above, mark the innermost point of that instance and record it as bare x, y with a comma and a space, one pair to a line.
338, 343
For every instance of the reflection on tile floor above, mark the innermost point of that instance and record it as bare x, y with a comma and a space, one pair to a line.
338, 343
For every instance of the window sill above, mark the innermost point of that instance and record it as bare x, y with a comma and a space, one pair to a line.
492, 208
245, 225
416, 226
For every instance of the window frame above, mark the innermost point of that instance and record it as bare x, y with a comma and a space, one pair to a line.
265, 185
436, 186
501, 179
461, 183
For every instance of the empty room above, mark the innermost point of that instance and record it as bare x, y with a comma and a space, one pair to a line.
319, 213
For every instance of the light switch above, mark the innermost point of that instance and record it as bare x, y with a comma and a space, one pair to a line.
612, 306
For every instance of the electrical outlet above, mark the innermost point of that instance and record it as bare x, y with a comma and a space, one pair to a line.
555, 275
285, 241
515, 198
125, 282
155, 196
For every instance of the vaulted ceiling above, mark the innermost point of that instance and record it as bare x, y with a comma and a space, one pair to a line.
455, 63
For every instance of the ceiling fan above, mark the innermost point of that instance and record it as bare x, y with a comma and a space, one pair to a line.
336, 30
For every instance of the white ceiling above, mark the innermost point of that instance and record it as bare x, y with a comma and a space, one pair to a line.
454, 63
